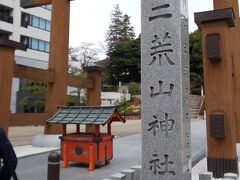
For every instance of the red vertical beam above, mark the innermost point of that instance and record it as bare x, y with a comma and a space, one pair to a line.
58, 60
94, 94
6, 74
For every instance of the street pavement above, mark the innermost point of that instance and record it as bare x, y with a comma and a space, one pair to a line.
127, 152
20, 136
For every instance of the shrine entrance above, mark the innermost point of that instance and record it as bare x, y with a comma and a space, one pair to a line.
56, 76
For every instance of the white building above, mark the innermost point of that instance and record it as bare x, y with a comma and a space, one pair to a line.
31, 27
114, 98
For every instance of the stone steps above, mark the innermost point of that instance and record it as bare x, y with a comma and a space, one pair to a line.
194, 113
128, 174
134, 173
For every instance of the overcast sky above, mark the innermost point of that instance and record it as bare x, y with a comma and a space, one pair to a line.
90, 18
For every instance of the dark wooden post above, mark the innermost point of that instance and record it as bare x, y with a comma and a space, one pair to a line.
58, 60
77, 128
7, 49
94, 94
64, 129
218, 70
109, 128
53, 166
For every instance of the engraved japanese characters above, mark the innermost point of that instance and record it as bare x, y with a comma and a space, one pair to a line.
165, 90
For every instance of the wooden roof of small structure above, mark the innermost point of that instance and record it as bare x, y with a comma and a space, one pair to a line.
86, 115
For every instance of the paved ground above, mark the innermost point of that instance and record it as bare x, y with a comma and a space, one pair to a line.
199, 139
127, 152
20, 136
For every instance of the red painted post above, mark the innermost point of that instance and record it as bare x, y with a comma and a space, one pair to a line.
65, 157
91, 158
97, 127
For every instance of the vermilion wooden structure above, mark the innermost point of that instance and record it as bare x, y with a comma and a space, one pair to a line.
7, 48
220, 38
56, 75
94, 148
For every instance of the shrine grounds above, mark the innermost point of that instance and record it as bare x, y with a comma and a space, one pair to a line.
20, 136
127, 152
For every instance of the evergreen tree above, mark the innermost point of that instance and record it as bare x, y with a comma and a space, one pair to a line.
120, 29
196, 66
127, 29
124, 62
115, 29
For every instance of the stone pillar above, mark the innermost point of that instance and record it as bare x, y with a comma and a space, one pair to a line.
7, 49
94, 94
165, 90
58, 60
218, 80
235, 39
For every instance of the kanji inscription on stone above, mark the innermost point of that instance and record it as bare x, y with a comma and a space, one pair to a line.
161, 11
160, 49
165, 89
164, 125
159, 90
161, 168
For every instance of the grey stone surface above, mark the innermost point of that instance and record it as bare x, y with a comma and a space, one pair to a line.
205, 176
130, 174
118, 176
198, 141
230, 176
187, 176
137, 169
166, 139
195, 177
46, 141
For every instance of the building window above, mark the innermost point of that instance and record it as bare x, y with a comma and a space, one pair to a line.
41, 45
5, 14
48, 25
35, 44
24, 20
47, 47
42, 23
48, 7
5, 34
34, 21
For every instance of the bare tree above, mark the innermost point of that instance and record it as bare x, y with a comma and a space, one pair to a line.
85, 54
79, 57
